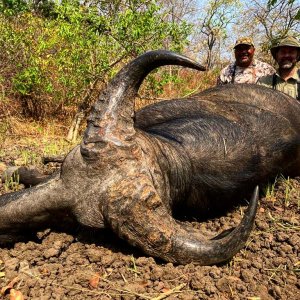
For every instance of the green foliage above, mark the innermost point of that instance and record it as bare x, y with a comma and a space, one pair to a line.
53, 52
10, 7
274, 2
158, 80
25, 81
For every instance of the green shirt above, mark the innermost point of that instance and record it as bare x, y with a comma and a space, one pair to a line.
290, 86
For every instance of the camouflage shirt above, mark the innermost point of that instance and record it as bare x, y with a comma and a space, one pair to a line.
235, 74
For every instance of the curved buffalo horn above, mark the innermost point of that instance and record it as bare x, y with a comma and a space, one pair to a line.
111, 119
142, 219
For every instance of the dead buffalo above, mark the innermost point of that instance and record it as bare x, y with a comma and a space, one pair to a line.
131, 173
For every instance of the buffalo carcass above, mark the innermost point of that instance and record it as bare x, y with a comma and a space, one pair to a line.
131, 172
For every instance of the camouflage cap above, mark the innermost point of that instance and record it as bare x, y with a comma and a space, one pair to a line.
286, 41
244, 41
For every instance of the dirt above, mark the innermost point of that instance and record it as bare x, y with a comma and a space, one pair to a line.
98, 265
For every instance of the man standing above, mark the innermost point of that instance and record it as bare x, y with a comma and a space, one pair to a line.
286, 52
245, 69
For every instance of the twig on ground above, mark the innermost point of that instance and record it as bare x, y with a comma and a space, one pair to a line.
170, 292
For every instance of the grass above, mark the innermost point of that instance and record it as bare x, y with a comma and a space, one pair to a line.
34, 140
290, 191
287, 188
11, 184
27, 157
269, 191
134, 267
4, 127
26, 142
296, 268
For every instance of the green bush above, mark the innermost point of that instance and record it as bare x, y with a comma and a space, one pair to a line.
50, 60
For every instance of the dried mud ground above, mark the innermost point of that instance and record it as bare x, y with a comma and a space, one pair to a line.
97, 265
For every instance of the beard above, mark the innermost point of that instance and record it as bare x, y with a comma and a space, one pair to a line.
243, 60
286, 64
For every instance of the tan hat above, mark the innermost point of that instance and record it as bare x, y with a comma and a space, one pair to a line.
286, 41
244, 41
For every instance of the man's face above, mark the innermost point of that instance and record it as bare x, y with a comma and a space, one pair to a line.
244, 55
287, 57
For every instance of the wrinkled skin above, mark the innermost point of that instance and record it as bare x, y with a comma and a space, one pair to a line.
131, 173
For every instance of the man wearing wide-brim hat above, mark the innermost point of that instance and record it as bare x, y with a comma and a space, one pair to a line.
245, 68
286, 53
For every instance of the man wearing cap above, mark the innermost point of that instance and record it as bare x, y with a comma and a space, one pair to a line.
286, 53
245, 69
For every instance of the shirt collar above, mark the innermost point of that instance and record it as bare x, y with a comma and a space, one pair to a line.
295, 76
